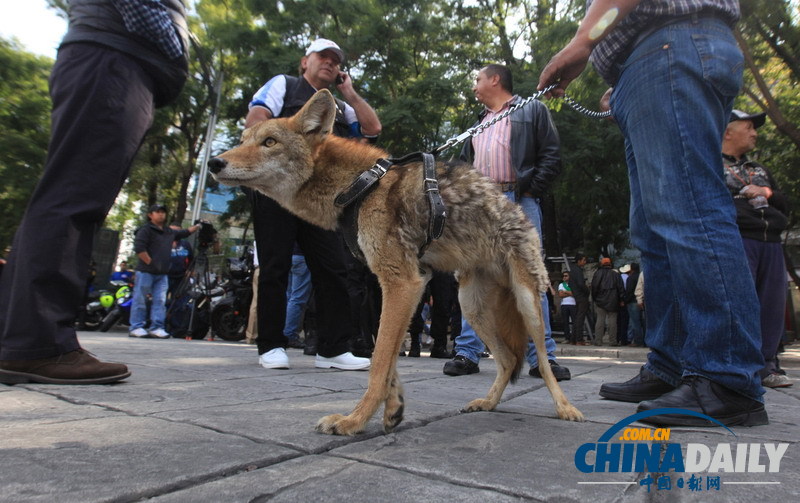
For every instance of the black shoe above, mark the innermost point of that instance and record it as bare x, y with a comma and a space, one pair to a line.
296, 344
703, 395
439, 352
460, 366
645, 386
560, 373
413, 352
310, 349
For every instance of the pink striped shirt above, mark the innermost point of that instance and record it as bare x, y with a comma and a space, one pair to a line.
493, 148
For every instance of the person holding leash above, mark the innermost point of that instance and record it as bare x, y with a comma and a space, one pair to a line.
521, 153
118, 61
675, 69
277, 230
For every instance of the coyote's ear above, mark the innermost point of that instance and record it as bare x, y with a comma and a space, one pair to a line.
318, 114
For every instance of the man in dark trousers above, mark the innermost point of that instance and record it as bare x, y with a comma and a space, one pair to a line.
607, 290
761, 210
153, 246
118, 60
580, 291
277, 230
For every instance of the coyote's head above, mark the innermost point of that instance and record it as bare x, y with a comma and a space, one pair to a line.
276, 156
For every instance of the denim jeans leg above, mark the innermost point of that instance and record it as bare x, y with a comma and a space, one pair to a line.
468, 344
141, 288
533, 211
158, 309
635, 334
678, 85
297, 296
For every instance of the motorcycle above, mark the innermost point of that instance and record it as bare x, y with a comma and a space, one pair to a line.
94, 310
121, 312
229, 313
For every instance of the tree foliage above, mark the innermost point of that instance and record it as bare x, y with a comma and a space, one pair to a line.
415, 62
24, 131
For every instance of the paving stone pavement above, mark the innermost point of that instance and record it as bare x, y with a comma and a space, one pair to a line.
201, 421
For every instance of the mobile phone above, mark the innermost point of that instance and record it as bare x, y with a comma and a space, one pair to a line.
339, 79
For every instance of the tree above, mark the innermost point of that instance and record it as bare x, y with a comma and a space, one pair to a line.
24, 131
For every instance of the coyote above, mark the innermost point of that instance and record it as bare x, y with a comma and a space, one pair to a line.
487, 240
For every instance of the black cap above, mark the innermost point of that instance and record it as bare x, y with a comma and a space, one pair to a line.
157, 207
758, 119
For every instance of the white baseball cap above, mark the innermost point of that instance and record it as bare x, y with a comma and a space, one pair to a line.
323, 44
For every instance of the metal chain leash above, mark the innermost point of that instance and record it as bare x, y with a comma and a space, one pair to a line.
475, 131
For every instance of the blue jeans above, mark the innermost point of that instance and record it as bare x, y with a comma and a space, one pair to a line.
297, 295
672, 103
635, 332
155, 285
468, 344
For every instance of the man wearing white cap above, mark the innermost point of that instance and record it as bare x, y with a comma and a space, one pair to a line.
276, 230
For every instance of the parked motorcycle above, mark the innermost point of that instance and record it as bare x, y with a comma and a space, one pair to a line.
95, 309
229, 314
121, 310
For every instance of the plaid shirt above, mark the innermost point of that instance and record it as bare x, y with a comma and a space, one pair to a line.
150, 19
617, 44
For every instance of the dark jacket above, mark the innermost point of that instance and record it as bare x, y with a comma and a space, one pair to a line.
535, 148
157, 242
577, 283
629, 297
607, 289
764, 224
99, 22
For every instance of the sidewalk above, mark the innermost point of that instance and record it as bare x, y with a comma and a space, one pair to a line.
200, 421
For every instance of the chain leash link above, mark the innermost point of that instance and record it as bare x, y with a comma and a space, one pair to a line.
475, 131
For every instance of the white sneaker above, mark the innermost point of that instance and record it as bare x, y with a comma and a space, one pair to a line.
776, 381
345, 361
275, 359
138, 332
160, 333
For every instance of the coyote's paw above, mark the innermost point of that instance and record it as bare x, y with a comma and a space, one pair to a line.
478, 404
337, 424
570, 413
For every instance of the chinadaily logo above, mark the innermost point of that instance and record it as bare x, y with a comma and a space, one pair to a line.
666, 464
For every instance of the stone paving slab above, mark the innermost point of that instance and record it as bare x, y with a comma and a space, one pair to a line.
201, 421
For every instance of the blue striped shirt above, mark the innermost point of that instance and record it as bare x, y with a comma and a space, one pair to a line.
608, 54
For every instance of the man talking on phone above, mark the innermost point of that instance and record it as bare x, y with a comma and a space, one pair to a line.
277, 230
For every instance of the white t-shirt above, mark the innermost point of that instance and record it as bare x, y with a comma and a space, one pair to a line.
566, 301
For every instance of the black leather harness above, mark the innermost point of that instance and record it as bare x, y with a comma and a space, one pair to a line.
351, 198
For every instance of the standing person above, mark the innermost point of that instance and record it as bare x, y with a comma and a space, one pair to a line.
277, 230
521, 155
153, 246
607, 293
443, 292
568, 308
676, 70
124, 274
580, 292
118, 60
761, 210
297, 294
180, 259
635, 331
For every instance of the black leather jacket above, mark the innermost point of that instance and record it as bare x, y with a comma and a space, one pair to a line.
535, 148
99, 22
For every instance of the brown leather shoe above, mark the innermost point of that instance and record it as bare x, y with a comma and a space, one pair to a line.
75, 367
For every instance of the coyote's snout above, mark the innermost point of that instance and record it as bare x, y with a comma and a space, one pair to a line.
489, 243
